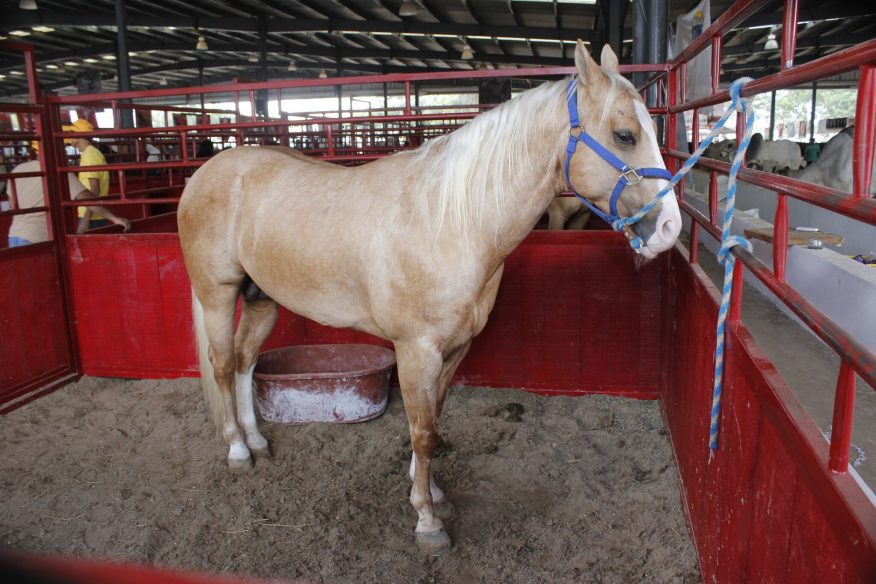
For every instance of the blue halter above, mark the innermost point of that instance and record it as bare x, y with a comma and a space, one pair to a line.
628, 176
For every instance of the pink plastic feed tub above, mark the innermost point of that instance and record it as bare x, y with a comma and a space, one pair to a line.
323, 383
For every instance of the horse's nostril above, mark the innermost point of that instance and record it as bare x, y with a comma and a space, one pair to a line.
668, 228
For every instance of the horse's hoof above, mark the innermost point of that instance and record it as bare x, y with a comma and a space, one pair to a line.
261, 452
444, 509
434, 543
240, 465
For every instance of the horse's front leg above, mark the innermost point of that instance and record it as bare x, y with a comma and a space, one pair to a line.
419, 369
441, 505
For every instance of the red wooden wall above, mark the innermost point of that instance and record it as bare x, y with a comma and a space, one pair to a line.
31, 301
562, 323
766, 509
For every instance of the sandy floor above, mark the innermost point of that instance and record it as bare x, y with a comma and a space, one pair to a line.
574, 490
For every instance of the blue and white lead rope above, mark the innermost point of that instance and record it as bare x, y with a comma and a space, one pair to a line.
737, 104
725, 255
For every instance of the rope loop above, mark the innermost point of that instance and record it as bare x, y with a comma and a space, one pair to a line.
728, 242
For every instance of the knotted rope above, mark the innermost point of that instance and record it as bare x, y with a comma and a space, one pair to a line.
725, 255
728, 242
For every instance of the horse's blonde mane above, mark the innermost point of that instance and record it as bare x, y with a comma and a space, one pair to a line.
471, 167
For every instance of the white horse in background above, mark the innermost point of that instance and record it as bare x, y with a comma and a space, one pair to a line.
834, 165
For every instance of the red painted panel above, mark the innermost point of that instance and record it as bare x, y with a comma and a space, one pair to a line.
561, 323
33, 331
775, 480
766, 509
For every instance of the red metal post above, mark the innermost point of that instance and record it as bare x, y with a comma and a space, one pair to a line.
843, 415
865, 133
713, 197
694, 242
115, 107
740, 132
330, 140
671, 133
780, 237
735, 312
789, 33
716, 62
407, 98
122, 185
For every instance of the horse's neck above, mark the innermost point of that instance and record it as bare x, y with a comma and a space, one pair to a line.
508, 170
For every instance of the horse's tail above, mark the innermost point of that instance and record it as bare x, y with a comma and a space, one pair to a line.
212, 394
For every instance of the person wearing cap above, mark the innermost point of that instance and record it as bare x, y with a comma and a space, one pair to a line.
96, 181
32, 227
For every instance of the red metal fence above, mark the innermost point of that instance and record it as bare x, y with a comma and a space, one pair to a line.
857, 205
745, 524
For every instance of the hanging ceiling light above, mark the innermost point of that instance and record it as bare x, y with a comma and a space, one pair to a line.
202, 43
467, 53
292, 66
27, 5
408, 8
253, 58
771, 44
162, 81
323, 75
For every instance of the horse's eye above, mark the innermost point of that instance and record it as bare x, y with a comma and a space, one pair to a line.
625, 137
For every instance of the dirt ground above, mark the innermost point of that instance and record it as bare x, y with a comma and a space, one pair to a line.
569, 490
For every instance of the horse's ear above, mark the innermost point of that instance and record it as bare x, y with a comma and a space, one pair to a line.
588, 70
608, 59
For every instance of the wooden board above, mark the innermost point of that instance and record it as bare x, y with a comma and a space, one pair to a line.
795, 237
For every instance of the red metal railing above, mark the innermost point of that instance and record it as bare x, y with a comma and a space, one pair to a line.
334, 138
858, 205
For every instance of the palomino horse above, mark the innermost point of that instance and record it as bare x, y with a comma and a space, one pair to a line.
409, 248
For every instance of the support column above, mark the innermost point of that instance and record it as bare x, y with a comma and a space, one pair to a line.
640, 39
812, 111
658, 16
617, 12
261, 99
772, 115
123, 65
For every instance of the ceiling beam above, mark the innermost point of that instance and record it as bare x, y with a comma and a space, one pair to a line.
27, 18
335, 52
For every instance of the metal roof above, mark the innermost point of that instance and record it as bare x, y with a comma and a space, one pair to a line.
77, 38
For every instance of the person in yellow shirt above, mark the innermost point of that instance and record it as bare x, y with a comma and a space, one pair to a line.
32, 228
96, 181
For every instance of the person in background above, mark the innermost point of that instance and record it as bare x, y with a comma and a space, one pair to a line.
811, 152
32, 228
96, 181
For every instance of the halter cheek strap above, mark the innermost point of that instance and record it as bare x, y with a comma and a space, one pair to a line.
628, 175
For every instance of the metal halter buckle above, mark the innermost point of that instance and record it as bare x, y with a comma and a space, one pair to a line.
580, 129
636, 177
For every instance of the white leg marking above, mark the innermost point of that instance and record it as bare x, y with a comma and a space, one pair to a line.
238, 451
245, 411
437, 493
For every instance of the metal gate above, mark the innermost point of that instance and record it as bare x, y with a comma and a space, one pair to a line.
38, 351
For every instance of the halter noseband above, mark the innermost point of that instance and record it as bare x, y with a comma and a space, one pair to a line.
628, 175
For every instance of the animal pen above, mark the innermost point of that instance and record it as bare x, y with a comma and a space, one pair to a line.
573, 316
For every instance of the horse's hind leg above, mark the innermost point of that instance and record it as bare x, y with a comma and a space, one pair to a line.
218, 307
256, 322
